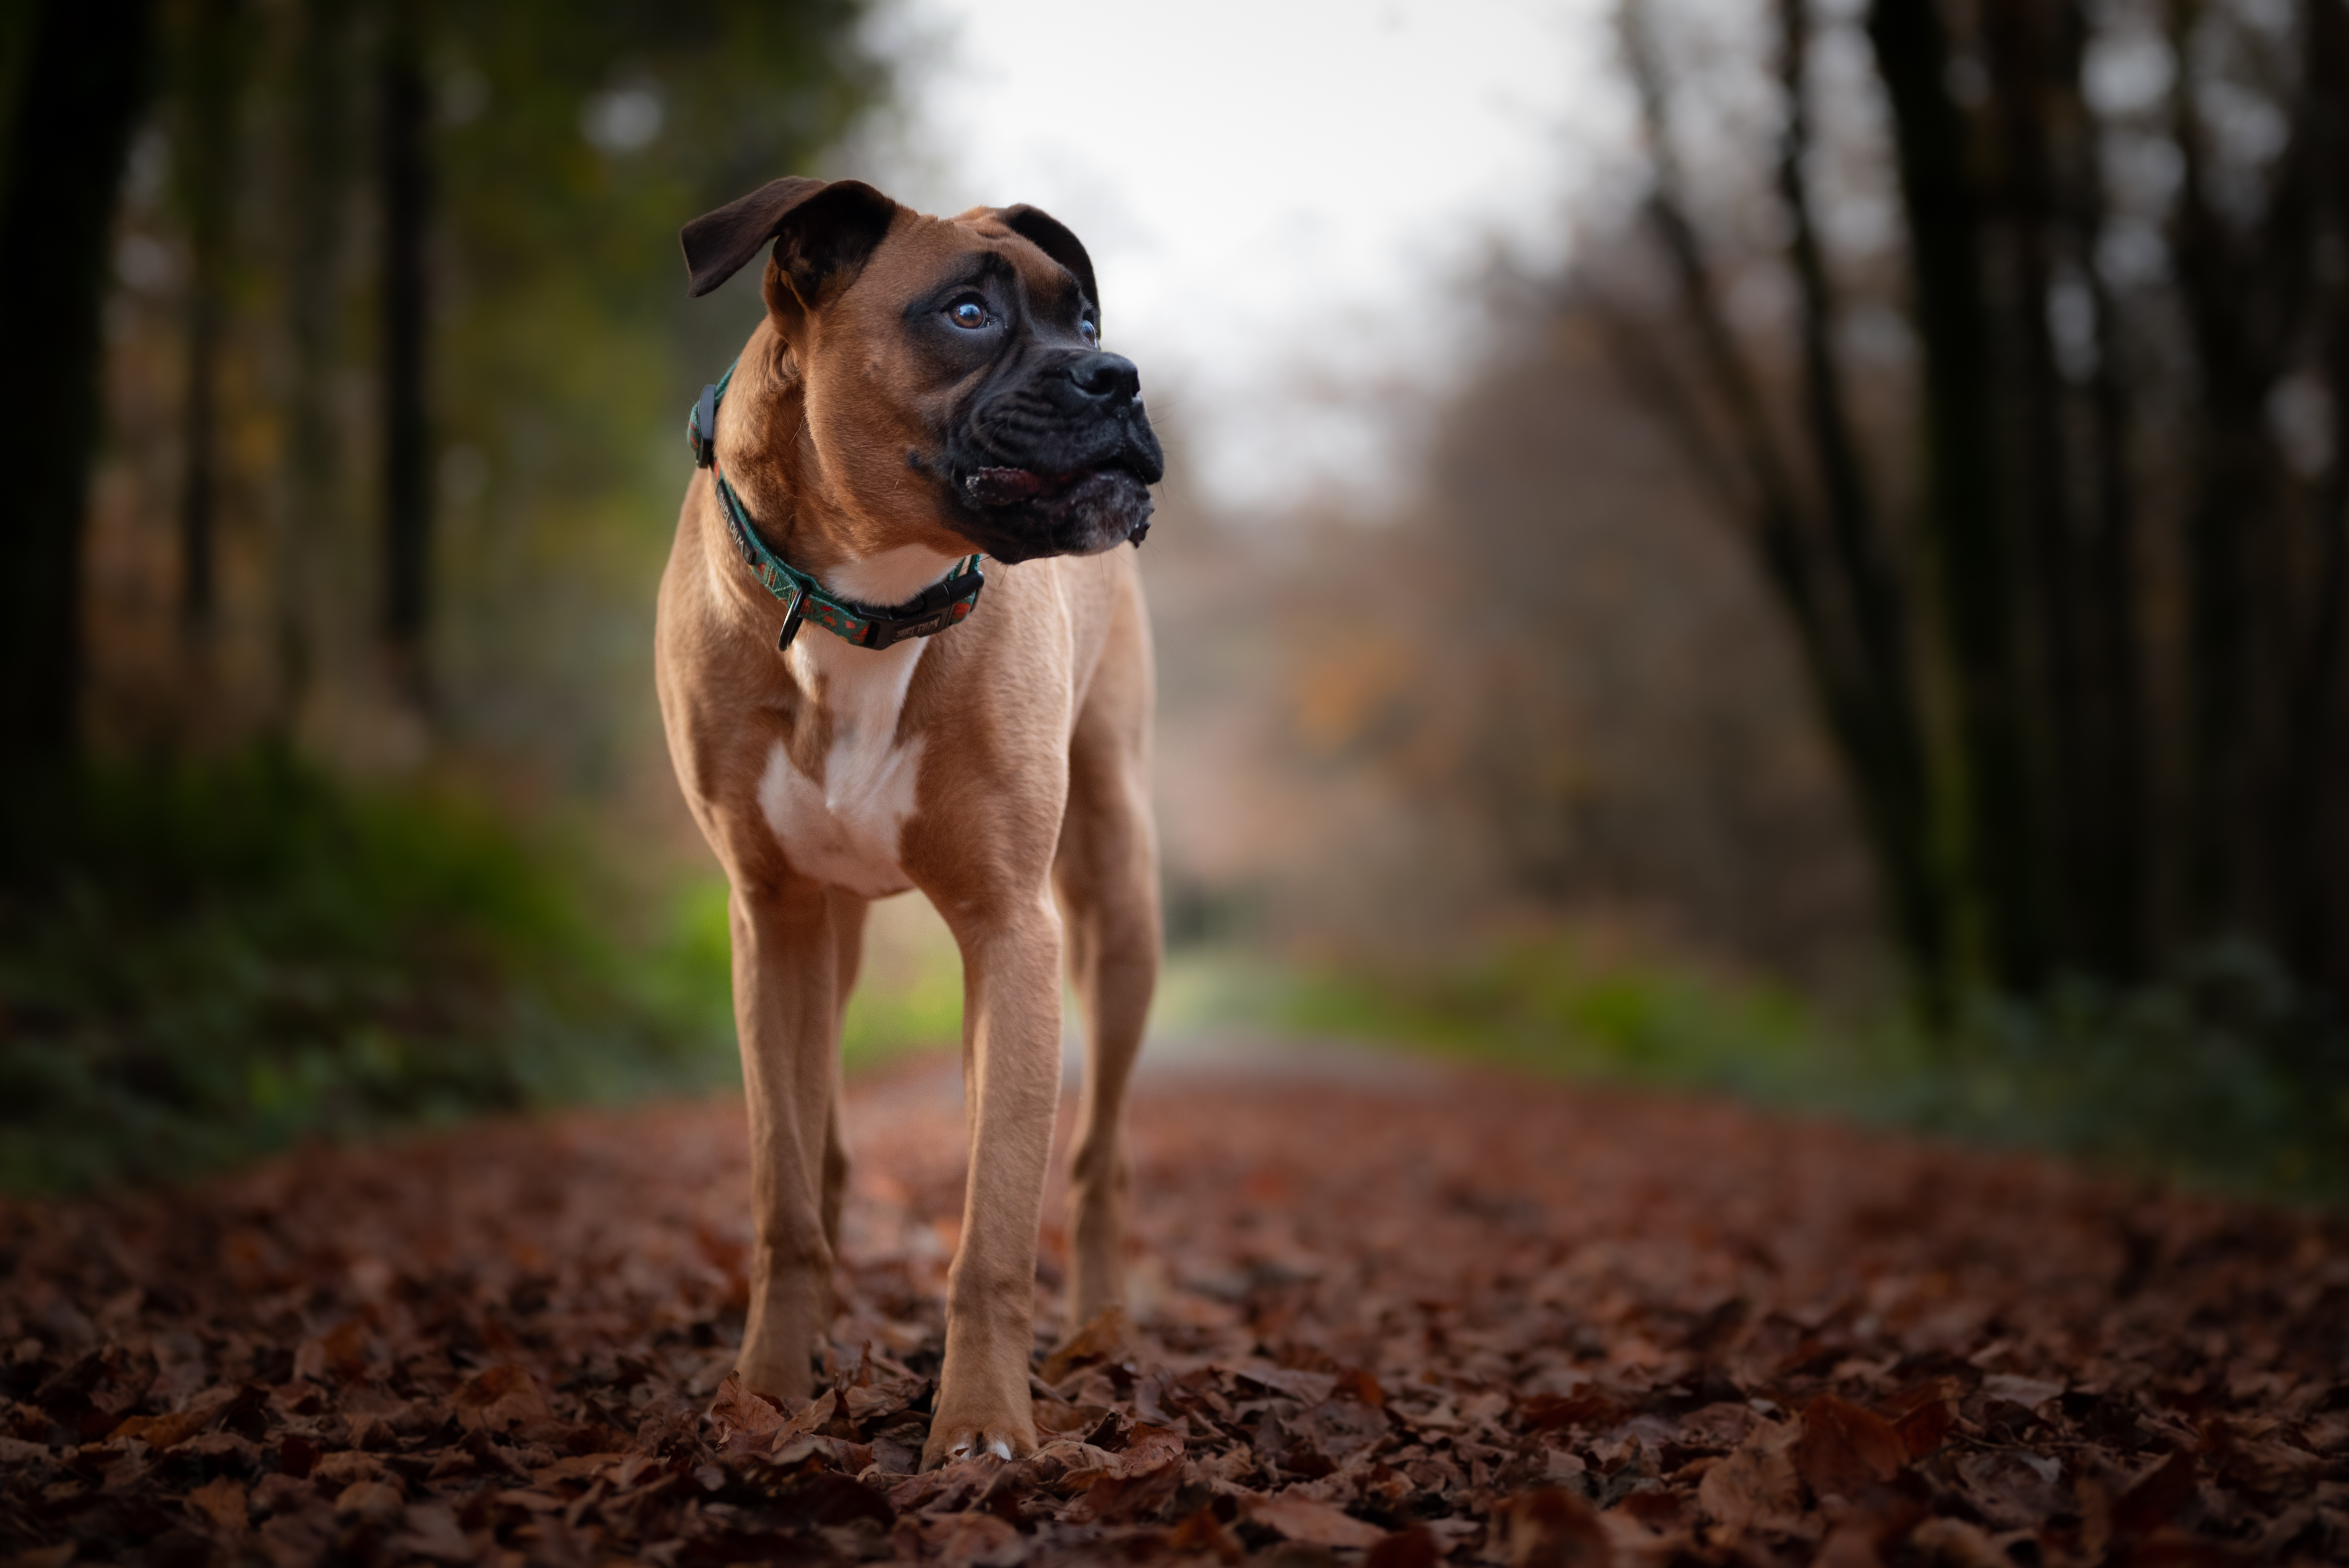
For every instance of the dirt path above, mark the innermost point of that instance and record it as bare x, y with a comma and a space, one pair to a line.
1387, 1313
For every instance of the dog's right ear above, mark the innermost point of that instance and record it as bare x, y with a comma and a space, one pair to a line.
822, 230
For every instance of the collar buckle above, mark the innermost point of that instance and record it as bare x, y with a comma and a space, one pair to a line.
940, 605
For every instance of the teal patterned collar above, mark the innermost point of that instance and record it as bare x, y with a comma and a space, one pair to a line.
932, 611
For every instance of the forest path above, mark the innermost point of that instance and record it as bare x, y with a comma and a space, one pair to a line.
1387, 1311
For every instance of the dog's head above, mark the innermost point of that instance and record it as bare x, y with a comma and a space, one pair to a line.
951, 368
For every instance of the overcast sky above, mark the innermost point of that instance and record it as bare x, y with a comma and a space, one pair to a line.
1279, 196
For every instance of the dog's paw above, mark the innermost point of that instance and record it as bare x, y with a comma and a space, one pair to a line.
783, 1381
949, 1445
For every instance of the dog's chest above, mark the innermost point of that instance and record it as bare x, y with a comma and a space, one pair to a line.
842, 826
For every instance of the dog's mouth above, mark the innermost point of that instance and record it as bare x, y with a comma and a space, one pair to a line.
994, 489
1018, 513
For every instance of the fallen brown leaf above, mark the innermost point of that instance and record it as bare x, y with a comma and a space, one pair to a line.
1104, 1337
1554, 1528
1844, 1450
221, 1503
1315, 1523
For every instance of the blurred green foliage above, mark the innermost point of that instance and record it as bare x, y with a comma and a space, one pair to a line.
207, 958
2227, 1076
200, 965
905, 1000
572, 143
2226, 1073
561, 148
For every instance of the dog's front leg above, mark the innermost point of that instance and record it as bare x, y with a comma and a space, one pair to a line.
1011, 1072
787, 1014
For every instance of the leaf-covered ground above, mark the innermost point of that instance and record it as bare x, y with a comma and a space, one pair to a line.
1393, 1317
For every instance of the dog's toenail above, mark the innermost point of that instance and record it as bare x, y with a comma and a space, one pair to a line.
1000, 1448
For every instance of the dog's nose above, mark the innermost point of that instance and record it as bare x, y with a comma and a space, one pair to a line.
1108, 378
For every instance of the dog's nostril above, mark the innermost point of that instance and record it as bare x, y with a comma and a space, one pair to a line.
1108, 376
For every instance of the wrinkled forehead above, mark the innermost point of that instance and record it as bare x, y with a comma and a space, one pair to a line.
925, 253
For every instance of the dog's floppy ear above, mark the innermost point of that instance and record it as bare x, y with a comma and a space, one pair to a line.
1050, 235
822, 230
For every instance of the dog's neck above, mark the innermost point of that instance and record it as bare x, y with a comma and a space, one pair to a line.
765, 456
890, 576
839, 785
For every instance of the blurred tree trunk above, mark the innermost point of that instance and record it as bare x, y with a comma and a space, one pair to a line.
2248, 287
2310, 823
406, 189
2058, 627
207, 178
1887, 752
85, 85
2231, 490
1830, 573
1966, 513
313, 269
2030, 236
2113, 800
18, 27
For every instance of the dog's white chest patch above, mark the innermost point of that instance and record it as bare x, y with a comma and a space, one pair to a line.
842, 826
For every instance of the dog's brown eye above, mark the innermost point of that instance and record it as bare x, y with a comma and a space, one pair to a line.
968, 313
1088, 331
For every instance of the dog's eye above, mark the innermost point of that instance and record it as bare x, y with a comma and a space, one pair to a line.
1088, 331
968, 313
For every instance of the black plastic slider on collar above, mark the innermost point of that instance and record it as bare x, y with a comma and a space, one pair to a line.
701, 425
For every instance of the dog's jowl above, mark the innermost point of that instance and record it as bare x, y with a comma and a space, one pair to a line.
900, 649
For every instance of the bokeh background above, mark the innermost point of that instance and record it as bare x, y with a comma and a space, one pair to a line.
1788, 547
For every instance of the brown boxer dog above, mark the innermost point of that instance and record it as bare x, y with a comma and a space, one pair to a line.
848, 723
